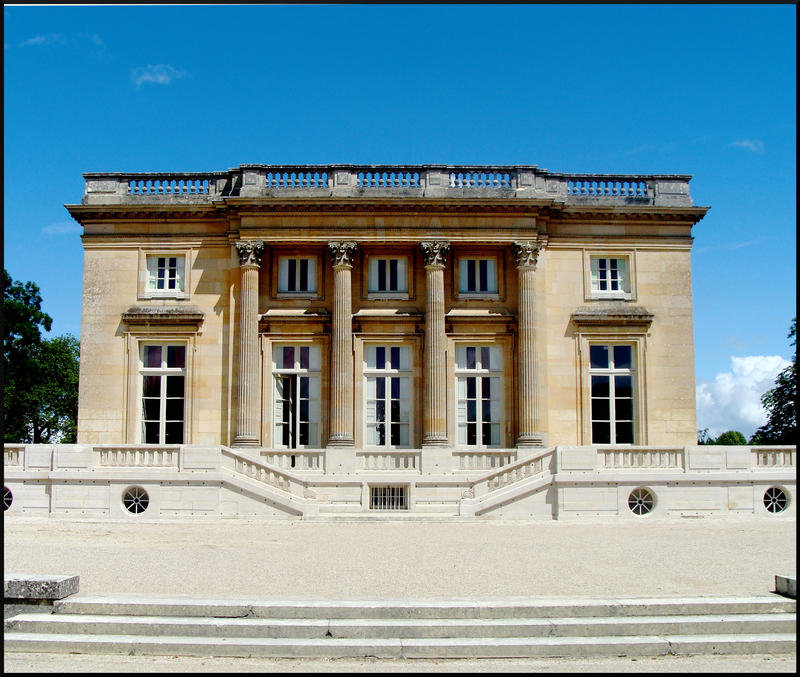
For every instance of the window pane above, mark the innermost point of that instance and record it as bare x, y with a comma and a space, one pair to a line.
304, 357
151, 433
601, 433
176, 356
484, 275
303, 275
303, 410
381, 274
173, 433
598, 357
471, 387
380, 388
393, 285
380, 357
380, 410
622, 386
152, 356
486, 387
304, 434
394, 353
472, 434
624, 433
622, 357
175, 386
600, 409
486, 362
175, 409
395, 388
486, 437
600, 386
470, 357
151, 386
304, 387
288, 357
471, 410
623, 410
152, 409
291, 280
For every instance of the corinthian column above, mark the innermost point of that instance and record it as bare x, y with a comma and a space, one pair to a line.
342, 350
247, 418
434, 418
526, 254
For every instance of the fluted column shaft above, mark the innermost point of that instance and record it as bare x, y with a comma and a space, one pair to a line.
247, 419
434, 419
341, 432
526, 254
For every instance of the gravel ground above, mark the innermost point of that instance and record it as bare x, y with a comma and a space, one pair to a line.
406, 560
396, 560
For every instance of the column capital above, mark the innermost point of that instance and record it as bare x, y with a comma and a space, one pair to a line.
434, 252
250, 252
526, 252
342, 253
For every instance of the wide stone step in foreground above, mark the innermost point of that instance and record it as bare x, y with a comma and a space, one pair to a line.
426, 629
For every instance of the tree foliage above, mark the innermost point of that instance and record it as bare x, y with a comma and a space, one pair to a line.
781, 404
731, 437
40, 376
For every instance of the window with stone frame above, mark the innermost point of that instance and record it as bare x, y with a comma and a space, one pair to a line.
388, 400
165, 275
479, 395
477, 276
610, 276
163, 393
296, 372
612, 372
387, 275
297, 275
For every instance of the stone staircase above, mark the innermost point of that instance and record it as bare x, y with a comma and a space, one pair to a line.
176, 625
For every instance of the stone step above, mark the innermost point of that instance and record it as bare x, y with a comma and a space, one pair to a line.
77, 624
187, 605
506, 647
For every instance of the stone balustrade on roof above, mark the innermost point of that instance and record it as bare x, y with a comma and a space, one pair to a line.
516, 182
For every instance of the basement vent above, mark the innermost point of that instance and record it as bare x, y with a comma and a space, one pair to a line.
8, 498
388, 497
775, 499
641, 501
135, 500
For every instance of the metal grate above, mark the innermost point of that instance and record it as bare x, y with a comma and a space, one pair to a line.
388, 497
135, 500
775, 499
8, 498
641, 501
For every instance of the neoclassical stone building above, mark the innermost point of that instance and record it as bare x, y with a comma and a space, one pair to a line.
387, 307
497, 341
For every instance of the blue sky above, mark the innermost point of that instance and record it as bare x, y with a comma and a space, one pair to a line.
705, 90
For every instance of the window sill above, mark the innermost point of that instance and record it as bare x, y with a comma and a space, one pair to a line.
389, 295
478, 296
298, 295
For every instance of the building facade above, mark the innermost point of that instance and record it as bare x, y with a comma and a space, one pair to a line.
322, 341
387, 307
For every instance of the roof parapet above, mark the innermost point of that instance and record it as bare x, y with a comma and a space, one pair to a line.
394, 181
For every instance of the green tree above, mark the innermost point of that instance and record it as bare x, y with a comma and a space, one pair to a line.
703, 437
781, 404
731, 437
40, 376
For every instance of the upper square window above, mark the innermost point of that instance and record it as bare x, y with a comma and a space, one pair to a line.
165, 275
610, 276
477, 276
387, 275
297, 275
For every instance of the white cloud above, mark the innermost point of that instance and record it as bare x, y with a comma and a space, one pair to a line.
79, 40
750, 144
733, 400
62, 228
161, 74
